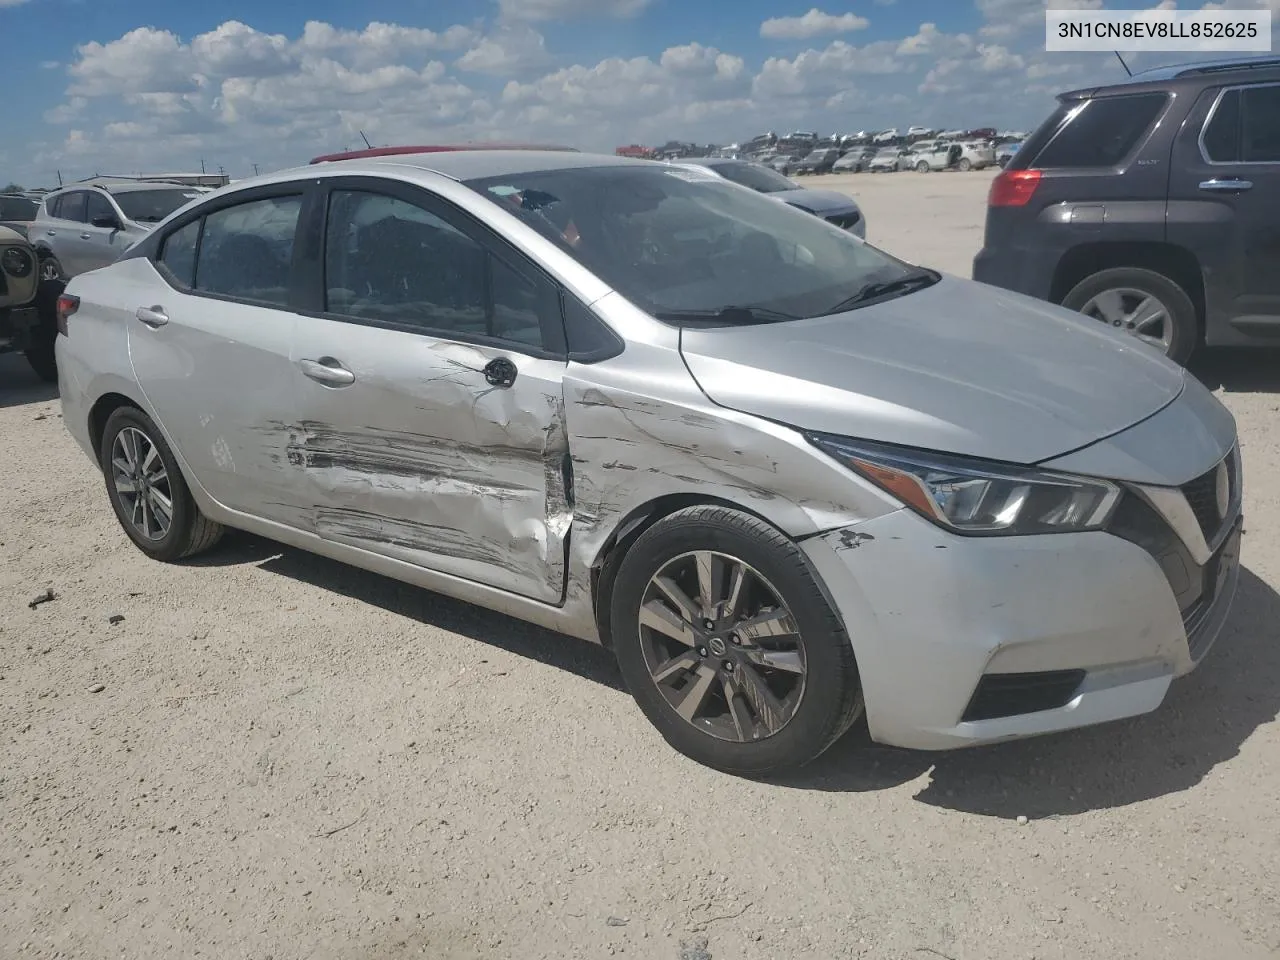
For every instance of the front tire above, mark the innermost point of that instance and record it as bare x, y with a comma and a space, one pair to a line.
1141, 302
147, 490
922, 166
964, 166
729, 646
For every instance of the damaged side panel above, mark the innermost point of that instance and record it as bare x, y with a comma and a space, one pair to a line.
422, 460
631, 448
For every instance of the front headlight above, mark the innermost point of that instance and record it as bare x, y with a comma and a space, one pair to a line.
976, 496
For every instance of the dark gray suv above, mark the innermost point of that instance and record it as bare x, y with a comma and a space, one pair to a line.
1152, 205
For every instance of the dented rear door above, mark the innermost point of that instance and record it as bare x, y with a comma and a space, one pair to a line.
434, 433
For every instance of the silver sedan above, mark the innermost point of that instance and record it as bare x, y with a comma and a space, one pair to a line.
784, 476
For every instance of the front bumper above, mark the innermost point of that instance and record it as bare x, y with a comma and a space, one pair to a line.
970, 640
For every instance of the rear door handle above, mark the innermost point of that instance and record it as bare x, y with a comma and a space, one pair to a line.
51, 233
86, 236
328, 371
153, 316
1229, 185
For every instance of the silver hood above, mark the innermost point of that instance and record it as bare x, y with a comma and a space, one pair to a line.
820, 202
959, 367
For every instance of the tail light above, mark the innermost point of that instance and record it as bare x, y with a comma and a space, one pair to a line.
1013, 188
67, 305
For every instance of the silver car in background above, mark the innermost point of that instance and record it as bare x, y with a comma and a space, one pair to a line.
833, 206
88, 225
785, 477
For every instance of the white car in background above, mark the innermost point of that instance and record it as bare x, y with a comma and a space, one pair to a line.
960, 156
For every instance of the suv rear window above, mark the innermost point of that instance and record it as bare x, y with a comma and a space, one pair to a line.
1099, 132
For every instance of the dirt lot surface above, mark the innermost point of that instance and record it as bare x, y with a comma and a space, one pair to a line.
288, 758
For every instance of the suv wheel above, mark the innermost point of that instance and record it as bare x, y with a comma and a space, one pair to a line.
728, 645
1143, 303
964, 166
50, 268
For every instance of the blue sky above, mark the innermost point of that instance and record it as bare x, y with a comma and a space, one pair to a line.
131, 85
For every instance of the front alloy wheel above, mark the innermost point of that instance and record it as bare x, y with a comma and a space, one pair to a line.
728, 643
722, 646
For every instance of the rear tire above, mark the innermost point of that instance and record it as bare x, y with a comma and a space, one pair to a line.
1183, 335
187, 531
922, 166
964, 166
806, 663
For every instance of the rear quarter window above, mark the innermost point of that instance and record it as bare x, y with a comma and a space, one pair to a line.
1100, 132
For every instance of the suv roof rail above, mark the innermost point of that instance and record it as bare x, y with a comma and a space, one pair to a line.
444, 148
1173, 71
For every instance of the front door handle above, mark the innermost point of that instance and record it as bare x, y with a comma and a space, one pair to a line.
86, 236
51, 233
153, 316
328, 371
500, 372
1229, 185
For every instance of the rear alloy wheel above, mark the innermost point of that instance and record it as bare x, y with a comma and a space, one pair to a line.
50, 268
964, 166
147, 490
1142, 303
922, 166
729, 646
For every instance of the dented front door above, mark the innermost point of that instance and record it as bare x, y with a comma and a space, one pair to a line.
419, 457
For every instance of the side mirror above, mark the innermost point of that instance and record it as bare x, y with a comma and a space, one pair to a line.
106, 223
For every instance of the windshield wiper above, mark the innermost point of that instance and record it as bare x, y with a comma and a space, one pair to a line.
728, 316
888, 288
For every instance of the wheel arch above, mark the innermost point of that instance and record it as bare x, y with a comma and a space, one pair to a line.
604, 567
1170, 260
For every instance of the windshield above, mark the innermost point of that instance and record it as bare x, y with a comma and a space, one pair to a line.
17, 209
152, 206
756, 177
817, 155
672, 241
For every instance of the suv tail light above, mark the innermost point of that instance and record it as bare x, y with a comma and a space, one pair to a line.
1013, 188
67, 305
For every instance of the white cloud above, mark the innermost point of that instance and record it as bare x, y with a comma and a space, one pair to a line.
511, 51
570, 9
812, 24
236, 95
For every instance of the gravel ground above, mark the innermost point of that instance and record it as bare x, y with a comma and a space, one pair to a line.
288, 758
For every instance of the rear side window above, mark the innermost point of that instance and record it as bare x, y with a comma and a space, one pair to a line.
1245, 127
178, 255
1101, 132
71, 206
246, 251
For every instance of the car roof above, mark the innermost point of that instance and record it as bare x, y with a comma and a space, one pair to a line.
464, 164
438, 148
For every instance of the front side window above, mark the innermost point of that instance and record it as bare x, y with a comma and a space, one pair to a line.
247, 250
391, 261
677, 243
100, 211
152, 206
1102, 131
